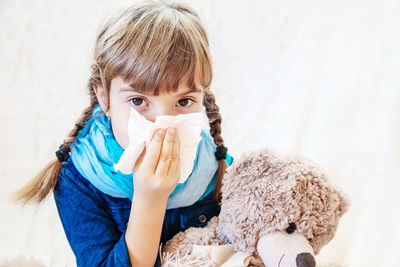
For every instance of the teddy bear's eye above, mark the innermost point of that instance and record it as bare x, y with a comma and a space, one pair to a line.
291, 228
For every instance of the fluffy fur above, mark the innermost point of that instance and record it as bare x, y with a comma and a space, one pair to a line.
263, 192
276, 190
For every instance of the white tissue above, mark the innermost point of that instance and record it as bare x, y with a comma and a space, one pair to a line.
141, 130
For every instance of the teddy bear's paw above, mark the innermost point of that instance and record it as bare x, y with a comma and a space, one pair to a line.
183, 241
185, 259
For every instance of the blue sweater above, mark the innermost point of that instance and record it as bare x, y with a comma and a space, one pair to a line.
95, 223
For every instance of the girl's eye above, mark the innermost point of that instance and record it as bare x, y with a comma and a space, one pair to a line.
137, 101
184, 102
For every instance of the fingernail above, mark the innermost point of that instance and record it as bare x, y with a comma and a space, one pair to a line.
160, 133
171, 131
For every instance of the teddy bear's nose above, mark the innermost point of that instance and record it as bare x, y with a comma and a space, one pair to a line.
305, 260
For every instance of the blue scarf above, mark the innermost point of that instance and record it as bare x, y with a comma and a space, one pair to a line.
95, 151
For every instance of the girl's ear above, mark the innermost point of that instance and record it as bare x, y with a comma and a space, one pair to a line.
101, 97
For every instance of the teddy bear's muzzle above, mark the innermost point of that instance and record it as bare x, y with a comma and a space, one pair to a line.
280, 249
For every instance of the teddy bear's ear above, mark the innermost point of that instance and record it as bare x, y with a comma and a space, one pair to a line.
344, 203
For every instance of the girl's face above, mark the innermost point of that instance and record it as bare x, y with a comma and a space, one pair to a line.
123, 96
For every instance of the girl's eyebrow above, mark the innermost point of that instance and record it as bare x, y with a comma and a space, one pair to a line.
132, 88
191, 90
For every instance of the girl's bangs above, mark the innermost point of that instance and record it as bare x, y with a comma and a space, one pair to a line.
159, 54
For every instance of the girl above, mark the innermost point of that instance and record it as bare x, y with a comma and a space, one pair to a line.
155, 58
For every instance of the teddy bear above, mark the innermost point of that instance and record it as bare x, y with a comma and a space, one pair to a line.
276, 210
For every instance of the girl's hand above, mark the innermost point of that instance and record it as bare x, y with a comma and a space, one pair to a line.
156, 172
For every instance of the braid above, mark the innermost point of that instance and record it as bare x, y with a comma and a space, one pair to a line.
80, 124
215, 120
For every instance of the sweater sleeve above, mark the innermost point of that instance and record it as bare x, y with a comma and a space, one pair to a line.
90, 229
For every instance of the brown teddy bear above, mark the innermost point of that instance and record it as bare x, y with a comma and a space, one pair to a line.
276, 210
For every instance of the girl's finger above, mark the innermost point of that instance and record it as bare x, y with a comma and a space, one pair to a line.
174, 166
153, 151
139, 161
166, 152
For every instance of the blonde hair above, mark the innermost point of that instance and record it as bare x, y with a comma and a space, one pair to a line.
156, 45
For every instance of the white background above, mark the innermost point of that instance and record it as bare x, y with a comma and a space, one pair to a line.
317, 78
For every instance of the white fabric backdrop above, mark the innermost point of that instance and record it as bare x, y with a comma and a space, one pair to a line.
318, 78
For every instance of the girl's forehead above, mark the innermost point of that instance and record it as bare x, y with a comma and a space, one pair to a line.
121, 85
